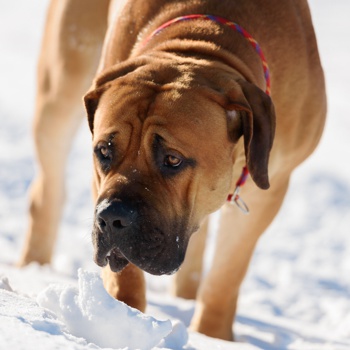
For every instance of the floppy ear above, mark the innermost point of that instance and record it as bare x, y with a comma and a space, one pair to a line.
250, 112
91, 100
258, 122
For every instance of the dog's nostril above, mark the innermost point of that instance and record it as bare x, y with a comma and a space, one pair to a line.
102, 223
118, 224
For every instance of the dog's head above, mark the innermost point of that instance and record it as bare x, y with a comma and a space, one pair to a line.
164, 135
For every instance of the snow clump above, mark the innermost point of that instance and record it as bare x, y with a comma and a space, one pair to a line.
91, 313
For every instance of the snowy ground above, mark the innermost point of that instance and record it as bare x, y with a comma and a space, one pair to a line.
297, 291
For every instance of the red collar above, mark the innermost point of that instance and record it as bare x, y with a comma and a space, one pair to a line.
234, 197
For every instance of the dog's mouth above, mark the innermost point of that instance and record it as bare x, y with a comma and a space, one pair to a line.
117, 261
113, 257
143, 242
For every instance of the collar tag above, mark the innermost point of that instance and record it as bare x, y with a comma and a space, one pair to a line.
235, 198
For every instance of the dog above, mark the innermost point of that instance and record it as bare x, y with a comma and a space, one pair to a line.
186, 95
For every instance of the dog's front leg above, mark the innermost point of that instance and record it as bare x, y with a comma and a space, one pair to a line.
69, 56
127, 286
188, 278
237, 237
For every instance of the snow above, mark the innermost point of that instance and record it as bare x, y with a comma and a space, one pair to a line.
297, 291
91, 313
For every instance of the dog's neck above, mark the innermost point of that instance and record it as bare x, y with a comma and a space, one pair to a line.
234, 26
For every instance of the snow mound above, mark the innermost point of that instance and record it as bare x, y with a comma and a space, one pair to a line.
4, 283
91, 313
23, 323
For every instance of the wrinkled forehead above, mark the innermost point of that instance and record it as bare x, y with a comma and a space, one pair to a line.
178, 105
169, 98
122, 103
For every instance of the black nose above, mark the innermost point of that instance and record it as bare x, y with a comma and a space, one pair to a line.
114, 215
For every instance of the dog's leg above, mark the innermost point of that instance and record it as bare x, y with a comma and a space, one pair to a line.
237, 237
69, 56
128, 286
188, 278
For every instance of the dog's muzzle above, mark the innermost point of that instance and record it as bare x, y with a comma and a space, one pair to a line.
130, 232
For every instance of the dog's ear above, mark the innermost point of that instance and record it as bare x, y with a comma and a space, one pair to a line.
91, 100
258, 123
250, 112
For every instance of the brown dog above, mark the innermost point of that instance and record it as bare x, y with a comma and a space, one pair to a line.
175, 116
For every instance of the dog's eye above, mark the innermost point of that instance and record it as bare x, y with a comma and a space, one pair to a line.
172, 161
103, 152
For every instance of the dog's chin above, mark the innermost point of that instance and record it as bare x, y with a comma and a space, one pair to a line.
158, 270
117, 261
117, 264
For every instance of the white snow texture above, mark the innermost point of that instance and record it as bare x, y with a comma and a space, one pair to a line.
91, 313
